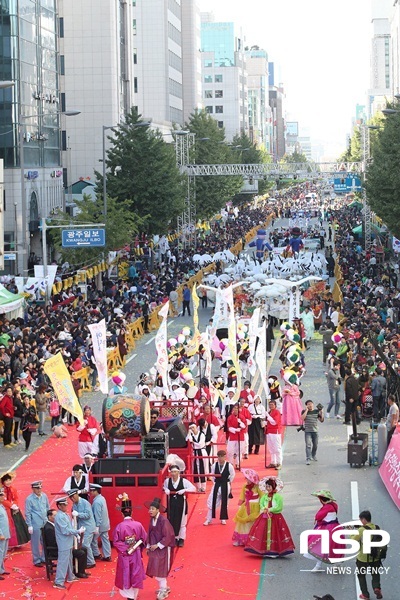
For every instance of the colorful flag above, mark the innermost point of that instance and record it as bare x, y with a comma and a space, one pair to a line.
60, 378
227, 296
99, 341
253, 328
261, 356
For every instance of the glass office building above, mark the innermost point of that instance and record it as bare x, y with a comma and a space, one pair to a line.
220, 39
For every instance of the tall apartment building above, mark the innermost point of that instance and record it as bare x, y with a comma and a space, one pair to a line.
29, 112
224, 76
276, 96
380, 58
260, 113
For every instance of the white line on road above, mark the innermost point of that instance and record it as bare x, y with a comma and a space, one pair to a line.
150, 340
128, 360
19, 461
355, 511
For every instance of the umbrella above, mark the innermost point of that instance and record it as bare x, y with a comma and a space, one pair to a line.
255, 286
219, 256
196, 258
229, 255
205, 258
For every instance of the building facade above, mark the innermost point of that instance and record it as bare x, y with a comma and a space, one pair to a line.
260, 113
30, 135
224, 76
380, 57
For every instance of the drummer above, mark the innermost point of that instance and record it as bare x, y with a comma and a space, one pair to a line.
156, 426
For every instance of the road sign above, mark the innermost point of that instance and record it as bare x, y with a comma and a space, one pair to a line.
10, 256
80, 238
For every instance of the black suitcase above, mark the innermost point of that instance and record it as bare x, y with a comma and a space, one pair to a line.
357, 449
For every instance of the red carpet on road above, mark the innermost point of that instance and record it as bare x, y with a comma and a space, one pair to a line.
208, 567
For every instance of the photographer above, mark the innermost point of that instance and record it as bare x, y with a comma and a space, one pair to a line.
311, 416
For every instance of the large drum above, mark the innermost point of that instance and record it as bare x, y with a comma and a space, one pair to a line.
126, 416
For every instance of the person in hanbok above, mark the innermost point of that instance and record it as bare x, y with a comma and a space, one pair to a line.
256, 427
326, 518
197, 438
249, 503
175, 488
129, 540
291, 406
18, 527
270, 535
307, 316
160, 547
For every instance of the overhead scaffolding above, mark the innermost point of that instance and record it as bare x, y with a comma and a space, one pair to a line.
186, 222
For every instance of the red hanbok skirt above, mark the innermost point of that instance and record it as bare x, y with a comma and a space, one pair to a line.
314, 544
270, 536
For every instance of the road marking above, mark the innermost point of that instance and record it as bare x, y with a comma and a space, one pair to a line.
128, 360
355, 511
150, 340
15, 465
170, 322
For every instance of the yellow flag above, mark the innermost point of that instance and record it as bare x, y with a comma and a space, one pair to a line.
60, 378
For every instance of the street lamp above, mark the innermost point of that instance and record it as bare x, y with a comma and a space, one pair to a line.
21, 121
105, 128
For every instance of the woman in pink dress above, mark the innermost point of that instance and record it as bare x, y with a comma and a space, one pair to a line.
291, 405
325, 519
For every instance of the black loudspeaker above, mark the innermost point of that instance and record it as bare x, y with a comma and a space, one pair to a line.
134, 466
177, 434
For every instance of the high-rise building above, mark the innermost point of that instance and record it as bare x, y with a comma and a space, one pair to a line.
224, 76
30, 113
276, 96
260, 113
381, 60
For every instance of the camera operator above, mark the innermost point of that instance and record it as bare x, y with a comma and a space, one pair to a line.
311, 416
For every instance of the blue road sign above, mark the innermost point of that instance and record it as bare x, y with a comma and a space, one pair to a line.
346, 182
79, 238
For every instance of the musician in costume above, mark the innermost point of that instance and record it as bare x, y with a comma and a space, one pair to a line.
129, 541
87, 433
79, 555
78, 481
160, 547
236, 426
4, 534
225, 474
65, 533
197, 438
176, 488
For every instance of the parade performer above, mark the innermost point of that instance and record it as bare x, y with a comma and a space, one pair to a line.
118, 379
326, 518
235, 429
270, 536
249, 502
274, 436
129, 541
256, 428
260, 243
221, 489
291, 406
87, 433
176, 488
65, 533
197, 438
160, 547
19, 534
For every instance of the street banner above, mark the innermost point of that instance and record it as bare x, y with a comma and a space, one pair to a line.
161, 346
253, 328
193, 346
390, 468
261, 356
60, 378
99, 341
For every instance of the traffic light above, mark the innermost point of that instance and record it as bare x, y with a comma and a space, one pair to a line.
251, 180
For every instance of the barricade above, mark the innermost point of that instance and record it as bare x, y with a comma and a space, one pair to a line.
83, 376
114, 360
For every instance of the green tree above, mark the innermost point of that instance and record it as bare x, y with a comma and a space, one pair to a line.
142, 172
383, 175
122, 225
295, 157
212, 192
249, 154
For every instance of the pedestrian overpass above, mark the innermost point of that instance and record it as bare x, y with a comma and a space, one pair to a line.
270, 170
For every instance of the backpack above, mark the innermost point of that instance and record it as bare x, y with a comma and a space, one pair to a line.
377, 554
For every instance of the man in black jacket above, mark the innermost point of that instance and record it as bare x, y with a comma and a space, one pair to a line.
79, 555
352, 395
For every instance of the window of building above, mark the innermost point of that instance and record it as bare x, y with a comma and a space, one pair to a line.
174, 34
208, 63
175, 88
134, 26
218, 78
175, 115
175, 61
63, 140
63, 104
219, 109
61, 26
207, 78
220, 124
209, 110
135, 85
208, 94
219, 93
135, 56
62, 64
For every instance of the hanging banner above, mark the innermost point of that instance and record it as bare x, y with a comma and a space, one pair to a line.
390, 468
205, 342
396, 245
253, 328
99, 341
60, 378
161, 346
193, 346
